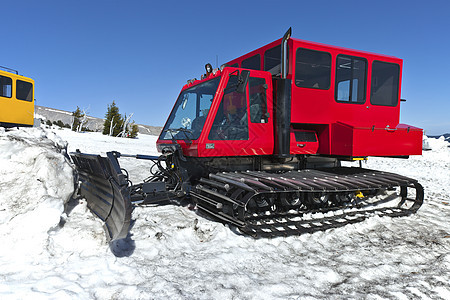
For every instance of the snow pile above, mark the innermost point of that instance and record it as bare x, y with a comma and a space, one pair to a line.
425, 143
176, 253
35, 183
439, 144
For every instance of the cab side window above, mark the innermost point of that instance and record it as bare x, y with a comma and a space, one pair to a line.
5, 87
231, 121
24, 90
258, 100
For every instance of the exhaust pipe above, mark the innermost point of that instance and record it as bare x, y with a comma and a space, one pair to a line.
283, 104
284, 54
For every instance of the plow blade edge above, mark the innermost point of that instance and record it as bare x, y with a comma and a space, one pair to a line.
105, 188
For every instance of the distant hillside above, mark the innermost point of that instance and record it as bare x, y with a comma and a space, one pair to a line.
94, 124
446, 136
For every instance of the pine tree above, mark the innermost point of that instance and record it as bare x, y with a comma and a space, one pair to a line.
60, 123
112, 119
134, 131
77, 116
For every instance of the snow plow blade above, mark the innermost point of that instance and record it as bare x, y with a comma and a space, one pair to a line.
106, 190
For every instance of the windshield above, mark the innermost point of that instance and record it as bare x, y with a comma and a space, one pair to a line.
189, 114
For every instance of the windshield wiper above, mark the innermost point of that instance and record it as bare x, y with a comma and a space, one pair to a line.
181, 129
184, 130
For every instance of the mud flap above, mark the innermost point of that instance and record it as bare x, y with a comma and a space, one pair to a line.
105, 188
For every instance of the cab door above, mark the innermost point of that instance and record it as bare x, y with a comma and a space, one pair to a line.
261, 113
243, 122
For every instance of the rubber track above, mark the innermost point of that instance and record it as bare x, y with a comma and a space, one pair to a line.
226, 196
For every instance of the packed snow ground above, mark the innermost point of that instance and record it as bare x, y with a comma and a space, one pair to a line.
172, 252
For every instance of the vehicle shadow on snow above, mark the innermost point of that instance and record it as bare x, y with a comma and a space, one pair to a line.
124, 247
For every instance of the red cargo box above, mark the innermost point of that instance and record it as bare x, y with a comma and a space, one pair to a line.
402, 140
303, 142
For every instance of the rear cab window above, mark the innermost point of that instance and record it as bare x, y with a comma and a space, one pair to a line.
253, 62
384, 87
272, 60
5, 86
351, 78
312, 69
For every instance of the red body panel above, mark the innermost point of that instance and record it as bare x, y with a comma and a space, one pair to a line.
261, 135
341, 128
364, 141
260, 141
317, 109
298, 146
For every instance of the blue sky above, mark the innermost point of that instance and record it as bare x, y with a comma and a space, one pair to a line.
140, 53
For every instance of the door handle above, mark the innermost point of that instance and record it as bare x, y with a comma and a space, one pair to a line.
390, 129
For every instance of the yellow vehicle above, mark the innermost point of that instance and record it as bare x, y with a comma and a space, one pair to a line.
16, 99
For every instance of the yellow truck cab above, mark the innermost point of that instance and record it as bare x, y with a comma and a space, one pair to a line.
16, 99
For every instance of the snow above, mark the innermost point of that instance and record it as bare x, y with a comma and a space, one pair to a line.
59, 111
54, 248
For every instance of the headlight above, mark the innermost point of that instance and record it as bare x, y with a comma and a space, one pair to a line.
208, 68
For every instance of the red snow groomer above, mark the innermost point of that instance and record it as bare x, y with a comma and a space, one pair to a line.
259, 143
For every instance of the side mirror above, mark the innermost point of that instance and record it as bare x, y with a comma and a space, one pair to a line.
242, 81
185, 100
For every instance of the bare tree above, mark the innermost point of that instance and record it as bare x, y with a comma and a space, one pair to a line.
125, 130
84, 119
111, 127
